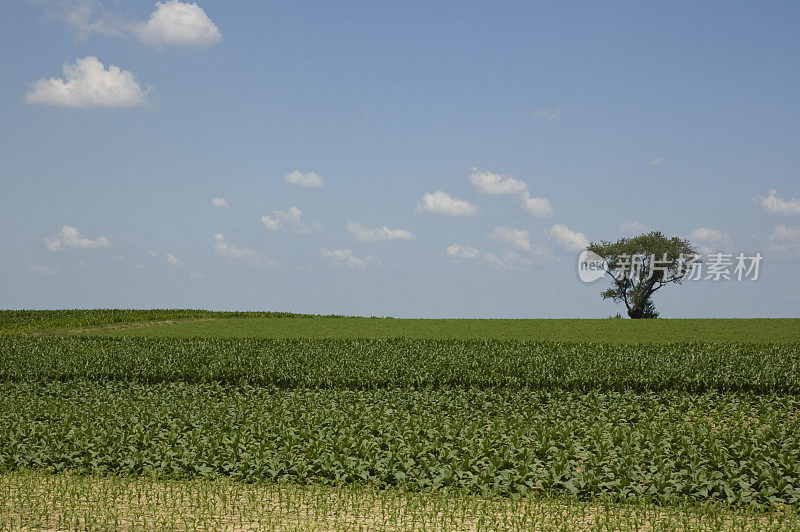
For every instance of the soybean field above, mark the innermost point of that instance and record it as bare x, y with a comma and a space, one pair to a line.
695, 428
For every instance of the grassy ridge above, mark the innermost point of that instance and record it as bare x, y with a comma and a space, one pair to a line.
369, 364
33, 321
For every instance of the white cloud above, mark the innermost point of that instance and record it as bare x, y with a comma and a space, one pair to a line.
85, 17
537, 207
291, 220
308, 179
568, 239
45, 270
441, 203
197, 275
508, 260
517, 238
379, 234
775, 205
229, 251
88, 83
172, 260
458, 251
548, 114
220, 203
658, 161
634, 228
785, 239
175, 23
346, 258
271, 223
491, 183
711, 240
70, 238
171, 23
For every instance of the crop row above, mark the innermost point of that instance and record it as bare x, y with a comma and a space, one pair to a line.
365, 364
665, 446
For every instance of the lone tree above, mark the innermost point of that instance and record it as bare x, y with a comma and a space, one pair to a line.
641, 265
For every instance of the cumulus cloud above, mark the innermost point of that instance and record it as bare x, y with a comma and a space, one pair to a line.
87, 83
711, 240
220, 203
70, 238
346, 258
171, 23
506, 261
776, 205
536, 207
197, 276
568, 239
442, 203
378, 234
658, 161
785, 239
308, 179
459, 251
172, 260
517, 238
634, 228
229, 251
492, 183
547, 114
175, 23
291, 220
85, 17
45, 270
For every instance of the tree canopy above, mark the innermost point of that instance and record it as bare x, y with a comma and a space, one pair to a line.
642, 265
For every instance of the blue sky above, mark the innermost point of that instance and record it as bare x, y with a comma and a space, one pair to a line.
543, 126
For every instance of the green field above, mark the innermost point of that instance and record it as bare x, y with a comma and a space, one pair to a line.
207, 324
406, 363
621, 331
504, 423
66, 321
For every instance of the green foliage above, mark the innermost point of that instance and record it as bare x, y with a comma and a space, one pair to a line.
369, 364
668, 423
663, 261
666, 446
